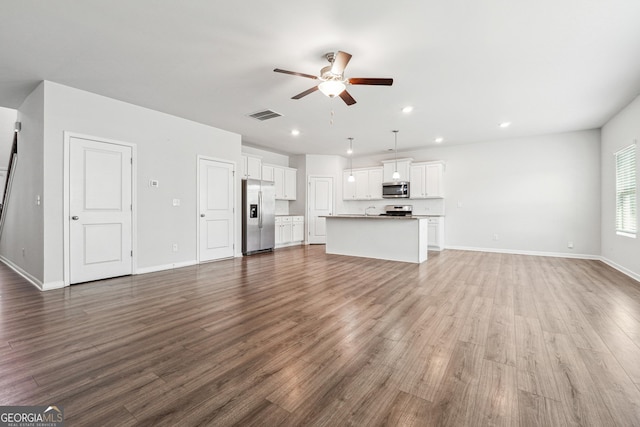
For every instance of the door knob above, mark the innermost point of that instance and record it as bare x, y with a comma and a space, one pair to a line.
75, 217
201, 215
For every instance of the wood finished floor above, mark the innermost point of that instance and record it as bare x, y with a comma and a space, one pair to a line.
299, 337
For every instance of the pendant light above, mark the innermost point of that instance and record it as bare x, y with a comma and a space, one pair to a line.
396, 174
350, 152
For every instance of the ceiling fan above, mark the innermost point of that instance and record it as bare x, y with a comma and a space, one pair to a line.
333, 83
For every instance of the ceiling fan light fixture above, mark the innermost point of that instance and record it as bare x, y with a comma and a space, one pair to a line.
332, 88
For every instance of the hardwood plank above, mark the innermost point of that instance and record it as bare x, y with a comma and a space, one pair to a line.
581, 398
535, 374
618, 391
456, 398
501, 341
497, 403
408, 410
535, 411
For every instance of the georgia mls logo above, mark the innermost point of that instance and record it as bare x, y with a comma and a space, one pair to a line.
31, 416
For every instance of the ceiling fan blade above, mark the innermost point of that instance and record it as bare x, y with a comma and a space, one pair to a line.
305, 93
347, 98
293, 73
340, 62
368, 81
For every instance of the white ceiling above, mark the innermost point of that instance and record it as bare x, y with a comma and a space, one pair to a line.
546, 66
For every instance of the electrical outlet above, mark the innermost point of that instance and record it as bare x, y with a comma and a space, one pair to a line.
570, 245
176, 202
175, 247
496, 237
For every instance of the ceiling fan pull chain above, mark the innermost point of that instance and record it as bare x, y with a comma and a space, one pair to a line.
331, 118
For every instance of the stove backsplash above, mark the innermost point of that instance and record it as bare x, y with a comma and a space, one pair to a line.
420, 206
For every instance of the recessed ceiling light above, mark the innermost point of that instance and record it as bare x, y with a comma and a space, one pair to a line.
438, 140
504, 124
407, 109
295, 132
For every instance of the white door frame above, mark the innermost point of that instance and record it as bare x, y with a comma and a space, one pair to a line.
333, 202
235, 200
66, 199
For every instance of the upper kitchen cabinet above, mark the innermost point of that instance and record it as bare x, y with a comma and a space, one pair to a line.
285, 182
251, 167
404, 169
427, 180
267, 172
367, 184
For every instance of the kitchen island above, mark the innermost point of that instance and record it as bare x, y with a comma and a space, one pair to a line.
394, 238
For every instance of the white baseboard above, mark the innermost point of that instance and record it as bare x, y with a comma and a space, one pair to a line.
285, 245
28, 277
621, 269
533, 253
155, 268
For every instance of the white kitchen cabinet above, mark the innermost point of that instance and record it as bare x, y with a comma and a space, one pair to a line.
366, 186
297, 229
289, 230
426, 180
435, 233
267, 173
389, 166
290, 184
251, 167
285, 182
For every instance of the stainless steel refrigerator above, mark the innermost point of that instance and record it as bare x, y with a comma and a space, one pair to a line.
258, 216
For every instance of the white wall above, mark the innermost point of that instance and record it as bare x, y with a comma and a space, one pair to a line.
536, 194
167, 150
22, 239
622, 130
8, 117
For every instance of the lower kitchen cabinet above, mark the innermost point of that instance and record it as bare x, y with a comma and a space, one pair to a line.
435, 233
289, 230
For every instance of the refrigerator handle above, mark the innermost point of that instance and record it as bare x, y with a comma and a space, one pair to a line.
259, 209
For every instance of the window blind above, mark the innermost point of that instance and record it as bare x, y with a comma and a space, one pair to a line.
626, 210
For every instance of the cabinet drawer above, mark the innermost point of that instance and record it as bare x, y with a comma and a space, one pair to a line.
297, 218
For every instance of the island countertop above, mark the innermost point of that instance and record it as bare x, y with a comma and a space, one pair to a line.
362, 216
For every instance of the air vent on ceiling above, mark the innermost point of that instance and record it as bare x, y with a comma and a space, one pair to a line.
265, 115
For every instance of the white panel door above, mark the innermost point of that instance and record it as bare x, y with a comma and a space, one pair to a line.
216, 220
320, 202
100, 240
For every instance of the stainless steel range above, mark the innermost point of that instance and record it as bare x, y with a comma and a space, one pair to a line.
397, 210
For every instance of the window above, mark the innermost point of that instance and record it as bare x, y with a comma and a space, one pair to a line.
626, 212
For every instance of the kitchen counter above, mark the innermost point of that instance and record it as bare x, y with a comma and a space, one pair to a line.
394, 238
381, 216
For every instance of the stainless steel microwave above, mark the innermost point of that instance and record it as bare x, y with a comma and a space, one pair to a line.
396, 189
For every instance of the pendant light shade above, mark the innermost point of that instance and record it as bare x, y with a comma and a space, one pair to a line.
350, 151
396, 174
